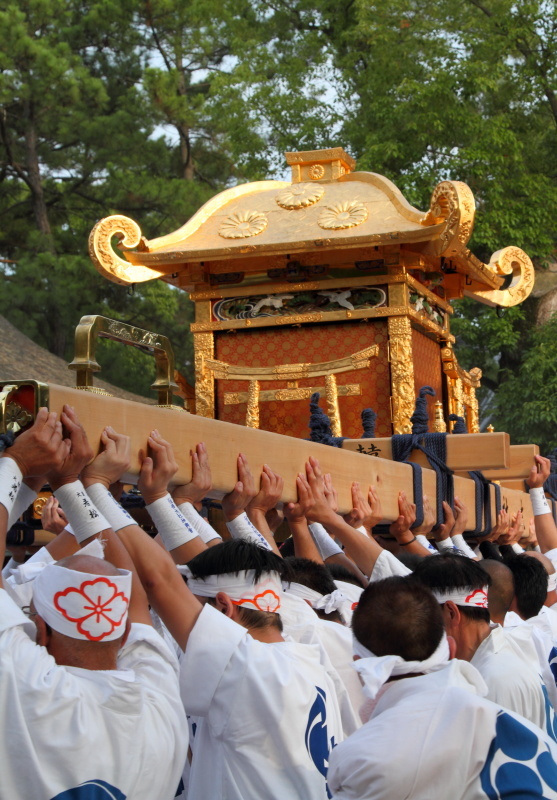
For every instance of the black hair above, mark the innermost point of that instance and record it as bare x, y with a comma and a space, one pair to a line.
400, 617
311, 574
341, 573
449, 571
410, 560
287, 547
316, 577
530, 584
234, 556
501, 591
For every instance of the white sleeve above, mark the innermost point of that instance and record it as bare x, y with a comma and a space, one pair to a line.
151, 659
388, 565
424, 541
10, 567
27, 670
461, 544
205, 531
552, 555
325, 544
211, 645
24, 498
241, 527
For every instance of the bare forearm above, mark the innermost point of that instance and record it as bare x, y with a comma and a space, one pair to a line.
166, 590
64, 545
258, 518
364, 552
546, 532
347, 563
304, 546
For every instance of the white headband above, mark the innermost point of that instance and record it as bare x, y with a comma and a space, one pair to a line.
376, 670
552, 581
335, 601
83, 606
473, 598
241, 588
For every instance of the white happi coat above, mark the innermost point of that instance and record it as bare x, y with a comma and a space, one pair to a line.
269, 715
508, 662
434, 737
75, 734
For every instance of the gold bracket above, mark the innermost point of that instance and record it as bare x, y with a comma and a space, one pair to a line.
92, 327
14, 416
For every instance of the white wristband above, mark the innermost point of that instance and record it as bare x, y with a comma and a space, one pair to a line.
173, 527
205, 531
24, 498
363, 531
424, 541
82, 514
242, 527
325, 544
107, 504
539, 502
517, 548
461, 544
11, 479
445, 544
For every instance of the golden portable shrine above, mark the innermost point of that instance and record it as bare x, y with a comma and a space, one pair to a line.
330, 283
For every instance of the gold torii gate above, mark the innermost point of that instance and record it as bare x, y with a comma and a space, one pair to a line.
292, 373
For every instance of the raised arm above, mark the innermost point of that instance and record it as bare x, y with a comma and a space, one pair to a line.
546, 530
188, 496
33, 453
236, 503
157, 469
361, 549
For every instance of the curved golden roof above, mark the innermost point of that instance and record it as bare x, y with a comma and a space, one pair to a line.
327, 206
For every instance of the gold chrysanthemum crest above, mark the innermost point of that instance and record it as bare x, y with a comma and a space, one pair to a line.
342, 215
300, 195
243, 225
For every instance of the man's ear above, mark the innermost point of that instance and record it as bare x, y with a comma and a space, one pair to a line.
451, 615
224, 603
43, 635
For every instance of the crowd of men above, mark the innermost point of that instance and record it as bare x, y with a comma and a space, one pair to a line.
339, 664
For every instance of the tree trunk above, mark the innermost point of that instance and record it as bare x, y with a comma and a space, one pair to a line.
34, 177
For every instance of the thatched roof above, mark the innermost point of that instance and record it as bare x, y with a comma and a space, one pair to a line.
22, 359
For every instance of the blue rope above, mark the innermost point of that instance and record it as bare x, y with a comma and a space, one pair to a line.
320, 424
433, 446
6, 440
369, 418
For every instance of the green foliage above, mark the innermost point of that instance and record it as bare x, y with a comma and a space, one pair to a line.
526, 399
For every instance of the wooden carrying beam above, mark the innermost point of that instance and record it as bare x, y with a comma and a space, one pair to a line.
521, 460
466, 451
286, 455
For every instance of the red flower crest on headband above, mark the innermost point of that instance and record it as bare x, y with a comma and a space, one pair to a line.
266, 601
477, 598
97, 606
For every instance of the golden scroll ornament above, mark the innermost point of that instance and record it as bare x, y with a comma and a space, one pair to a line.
300, 195
452, 202
343, 215
107, 262
512, 262
243, 224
